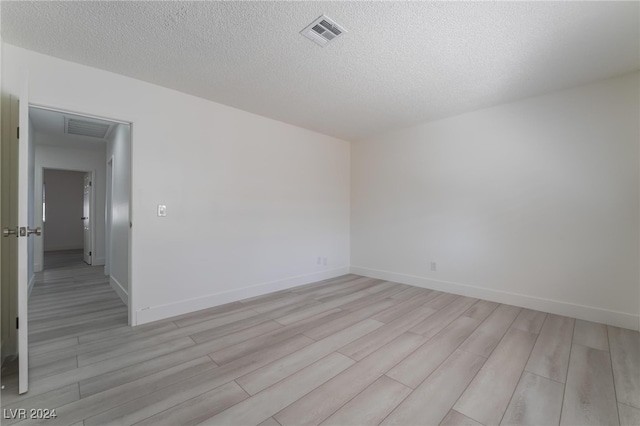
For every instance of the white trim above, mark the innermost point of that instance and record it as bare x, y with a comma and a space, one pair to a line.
8, 358
39, 178
108, 214
97, 261
37, 267
118, 288
131, 296
588, 313
133, 319
93, 178
32, 281
2, 356
64, 247
81, 114
155, 313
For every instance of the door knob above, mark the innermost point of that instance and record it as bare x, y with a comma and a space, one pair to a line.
6, 232
37, 231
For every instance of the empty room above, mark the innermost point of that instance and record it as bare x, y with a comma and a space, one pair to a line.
320, 213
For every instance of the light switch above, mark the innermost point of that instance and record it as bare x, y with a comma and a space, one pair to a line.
162, 210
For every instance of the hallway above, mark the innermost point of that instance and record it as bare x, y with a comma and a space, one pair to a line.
69, 299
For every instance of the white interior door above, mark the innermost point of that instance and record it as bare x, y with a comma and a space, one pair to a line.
24, 230
86, 218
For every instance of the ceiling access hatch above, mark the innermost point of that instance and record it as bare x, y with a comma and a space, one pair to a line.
94, 129
323, 30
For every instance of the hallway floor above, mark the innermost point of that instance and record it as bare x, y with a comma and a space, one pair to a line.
70, 298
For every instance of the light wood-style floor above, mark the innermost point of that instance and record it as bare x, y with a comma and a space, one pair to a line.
346, 351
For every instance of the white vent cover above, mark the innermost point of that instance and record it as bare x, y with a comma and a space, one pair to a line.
94, 129
323, 30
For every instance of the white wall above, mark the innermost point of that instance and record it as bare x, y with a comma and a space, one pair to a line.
118, 152
63, 229
53, 157
533, 203
252, 202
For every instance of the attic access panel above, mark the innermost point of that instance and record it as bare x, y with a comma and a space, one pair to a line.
94, 129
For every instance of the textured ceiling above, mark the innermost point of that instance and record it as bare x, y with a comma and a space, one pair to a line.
401, 63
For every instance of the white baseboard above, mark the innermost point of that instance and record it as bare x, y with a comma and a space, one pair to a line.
32, 281
97, 261
588, 313
37, 267
118, 288
2, 355
65, 247
9, 357
155, 313
9, 347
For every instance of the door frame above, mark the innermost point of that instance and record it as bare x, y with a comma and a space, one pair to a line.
132, 318
90, 177
8, 269
108, 216
39, 182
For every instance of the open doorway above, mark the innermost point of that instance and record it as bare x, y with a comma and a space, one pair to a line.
66, 217
85, 216
64, 299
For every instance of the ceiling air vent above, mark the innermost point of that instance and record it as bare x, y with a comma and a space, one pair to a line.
323, 30
93, 129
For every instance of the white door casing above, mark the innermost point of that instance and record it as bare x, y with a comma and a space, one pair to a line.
86, 219
23, 234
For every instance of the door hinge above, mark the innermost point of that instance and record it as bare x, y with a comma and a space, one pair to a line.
89, 253
89, 183
17, 322
18, 132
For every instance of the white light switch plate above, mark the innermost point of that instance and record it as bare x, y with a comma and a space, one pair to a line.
162, 210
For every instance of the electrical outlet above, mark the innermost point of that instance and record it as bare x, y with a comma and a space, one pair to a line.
434, 267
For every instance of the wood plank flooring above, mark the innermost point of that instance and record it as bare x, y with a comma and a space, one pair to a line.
346, 351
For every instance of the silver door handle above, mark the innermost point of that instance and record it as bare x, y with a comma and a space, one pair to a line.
37, 231
6, 232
